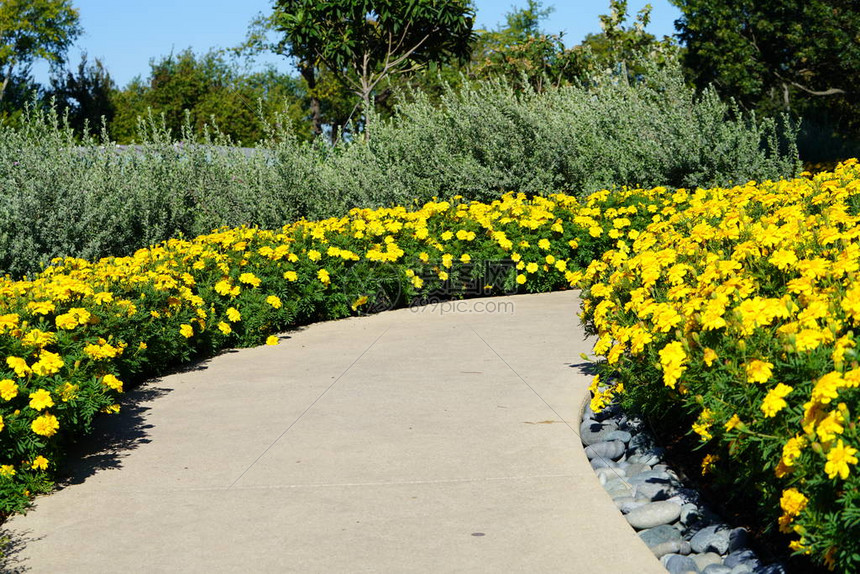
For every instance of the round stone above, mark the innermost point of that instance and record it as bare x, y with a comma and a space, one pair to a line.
741, 557
659, 535
671, 547
611, 450
717, 569
653, 514
677, 564
713, 538
705, 560
621, 435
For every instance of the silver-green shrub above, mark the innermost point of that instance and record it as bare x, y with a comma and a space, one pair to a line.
63, 197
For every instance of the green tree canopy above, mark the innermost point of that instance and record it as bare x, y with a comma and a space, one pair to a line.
801, 56
84, 96
365, 42
208, 89
32, 30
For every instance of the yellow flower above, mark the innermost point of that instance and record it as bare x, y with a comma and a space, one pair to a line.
710, 356
708, 463
792, 502
447, 235
272, 340
8, 389
733, 423
827, 388
39, 463
544, 244
521, 279
7, 470
290, 276
233, 315
45, 425
314, 255
48, 363
274, 301
18, 365
186, 330
324, 277
112, 382
465, 258
672, 359
223, 287
775, 401
40, 400
532, 267
225, 328
830, 426
41, 307
838, 459
249, 279
758, 371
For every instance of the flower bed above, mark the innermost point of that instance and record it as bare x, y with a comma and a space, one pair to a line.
737, 307
732, 306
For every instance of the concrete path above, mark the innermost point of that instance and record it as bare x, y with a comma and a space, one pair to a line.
438, 439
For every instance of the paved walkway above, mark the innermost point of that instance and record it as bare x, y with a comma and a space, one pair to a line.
419, 440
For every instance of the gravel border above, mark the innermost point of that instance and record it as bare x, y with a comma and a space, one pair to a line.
672, 519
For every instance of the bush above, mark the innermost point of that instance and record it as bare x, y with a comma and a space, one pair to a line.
90, 198
735, 310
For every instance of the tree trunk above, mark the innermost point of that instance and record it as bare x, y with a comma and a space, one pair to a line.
307, 72
3, 87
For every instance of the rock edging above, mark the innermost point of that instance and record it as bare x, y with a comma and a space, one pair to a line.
670, 518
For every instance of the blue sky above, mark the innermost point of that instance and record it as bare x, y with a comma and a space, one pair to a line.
127, 34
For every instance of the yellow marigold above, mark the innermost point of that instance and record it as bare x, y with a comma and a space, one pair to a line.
46, 425
186, 330
314, 255
708, 463
531, 267
48, 363
733, 423
250, 279
233, 315
223, 287
66, 321
225, 328
838, 459
672, 360
323, 276
521, 279
39, 463
774, 401
7, 470
8, 389
758, 371
41, 307
274, 301
831, 425
290, 275
447, 260
41, 399
783, 258
272, 340
709, 356
112, 382
544, 244
827, 388
68, 392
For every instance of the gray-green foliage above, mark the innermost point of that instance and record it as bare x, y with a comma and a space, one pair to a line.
63, 197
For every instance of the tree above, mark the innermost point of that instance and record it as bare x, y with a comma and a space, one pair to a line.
625, 49
34, 29
801, 56
85, 97
208, 89
365, 42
